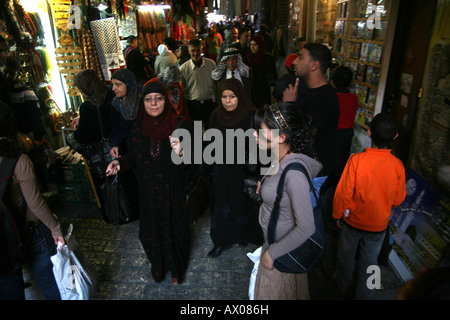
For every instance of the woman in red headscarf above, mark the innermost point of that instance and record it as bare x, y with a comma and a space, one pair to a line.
264, 72
163, 216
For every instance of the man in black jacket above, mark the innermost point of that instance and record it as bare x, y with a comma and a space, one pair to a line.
320, 102
135, 60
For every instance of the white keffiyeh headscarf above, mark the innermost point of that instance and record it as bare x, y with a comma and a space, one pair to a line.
222, 65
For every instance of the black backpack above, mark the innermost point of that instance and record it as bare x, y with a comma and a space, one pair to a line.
11, 247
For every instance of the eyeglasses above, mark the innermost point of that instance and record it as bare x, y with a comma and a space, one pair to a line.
157, 99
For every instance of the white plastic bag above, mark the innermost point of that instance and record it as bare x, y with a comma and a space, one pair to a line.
74, 277
255, 257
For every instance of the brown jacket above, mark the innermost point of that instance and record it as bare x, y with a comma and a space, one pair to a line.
23, 187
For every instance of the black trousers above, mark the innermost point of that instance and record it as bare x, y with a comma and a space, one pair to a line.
201, 111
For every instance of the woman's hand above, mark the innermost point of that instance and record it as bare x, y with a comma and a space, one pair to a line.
266, 260
59, 239
175, 144
258, 187
113, 168
74, 123
114, 152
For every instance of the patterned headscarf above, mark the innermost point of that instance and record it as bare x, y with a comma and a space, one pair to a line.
128, 105
222, 65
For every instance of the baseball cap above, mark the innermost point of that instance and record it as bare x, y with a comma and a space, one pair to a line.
290, 59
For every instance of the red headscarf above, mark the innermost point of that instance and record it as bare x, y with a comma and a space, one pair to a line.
256, 59
162, 126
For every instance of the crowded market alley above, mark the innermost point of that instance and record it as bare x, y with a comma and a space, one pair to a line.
59, 57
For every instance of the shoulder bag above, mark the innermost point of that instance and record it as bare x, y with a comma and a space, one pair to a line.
308, 254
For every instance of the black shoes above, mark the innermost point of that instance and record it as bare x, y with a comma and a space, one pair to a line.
217, 251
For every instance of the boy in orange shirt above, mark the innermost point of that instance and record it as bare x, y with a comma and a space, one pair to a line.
371, 184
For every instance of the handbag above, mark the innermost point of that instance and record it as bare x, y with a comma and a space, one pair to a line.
121, 198
197, 195
98, 157
196, 188
308, 254
97, 153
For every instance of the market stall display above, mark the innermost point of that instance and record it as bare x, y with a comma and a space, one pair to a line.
70, 61
91, 60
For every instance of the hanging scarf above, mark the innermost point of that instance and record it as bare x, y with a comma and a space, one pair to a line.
256, 58
162, 126
232, 119
91, 86
128, 106
222, 65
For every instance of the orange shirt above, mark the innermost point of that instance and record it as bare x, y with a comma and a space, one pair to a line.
371, 184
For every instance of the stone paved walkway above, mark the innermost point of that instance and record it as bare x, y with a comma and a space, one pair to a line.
124, 271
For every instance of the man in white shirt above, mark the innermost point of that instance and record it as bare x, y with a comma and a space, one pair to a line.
198, 85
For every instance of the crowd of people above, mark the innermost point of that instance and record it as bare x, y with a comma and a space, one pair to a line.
232, 83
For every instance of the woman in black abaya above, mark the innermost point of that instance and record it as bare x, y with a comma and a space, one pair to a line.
163, 220
234, 217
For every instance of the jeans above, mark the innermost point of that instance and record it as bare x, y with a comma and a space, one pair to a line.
369, 244
42, 248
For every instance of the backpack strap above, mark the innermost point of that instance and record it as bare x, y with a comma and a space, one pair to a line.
276, 207
6, 170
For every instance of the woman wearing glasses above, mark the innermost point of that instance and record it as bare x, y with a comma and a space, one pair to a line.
163, 220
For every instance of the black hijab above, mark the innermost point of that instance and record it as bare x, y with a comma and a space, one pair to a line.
232, 119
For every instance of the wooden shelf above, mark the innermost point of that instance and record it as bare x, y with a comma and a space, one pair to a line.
353, 38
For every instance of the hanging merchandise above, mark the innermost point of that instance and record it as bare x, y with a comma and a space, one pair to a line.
182, 9
70, 61
120, 8
33, 72
18, 24
87, 42
107, 43
152, 27
61, 12
39, 30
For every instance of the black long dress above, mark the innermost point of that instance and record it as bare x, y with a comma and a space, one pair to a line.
264, 75
163, 216
234, 216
